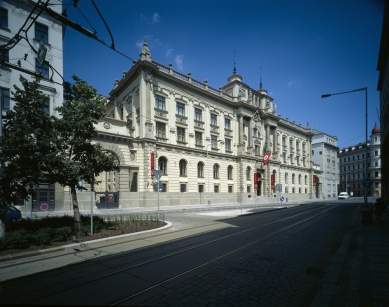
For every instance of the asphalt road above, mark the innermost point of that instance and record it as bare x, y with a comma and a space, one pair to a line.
274, 258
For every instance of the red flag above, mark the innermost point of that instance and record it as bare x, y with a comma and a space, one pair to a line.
266, 158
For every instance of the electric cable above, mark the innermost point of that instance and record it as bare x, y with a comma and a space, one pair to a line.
101, 16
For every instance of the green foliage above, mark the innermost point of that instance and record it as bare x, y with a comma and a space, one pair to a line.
16, 239
36, 147
28, 141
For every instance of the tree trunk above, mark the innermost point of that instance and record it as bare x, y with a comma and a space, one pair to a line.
77, 218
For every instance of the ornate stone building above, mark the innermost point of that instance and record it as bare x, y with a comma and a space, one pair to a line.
352, 166
208, 142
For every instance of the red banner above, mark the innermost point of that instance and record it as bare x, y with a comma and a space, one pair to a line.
314, 180
273, 181
256, 181
152, 163
266, 157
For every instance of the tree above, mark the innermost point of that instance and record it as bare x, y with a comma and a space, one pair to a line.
79, 159
28, 141
36, 147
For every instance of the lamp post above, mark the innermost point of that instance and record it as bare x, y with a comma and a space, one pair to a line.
366, 169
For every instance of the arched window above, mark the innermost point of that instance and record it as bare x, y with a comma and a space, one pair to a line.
248, 173
300, 180
200, 170
229, 172
162, 165
293, 178
182, 167
216, 171
286, 178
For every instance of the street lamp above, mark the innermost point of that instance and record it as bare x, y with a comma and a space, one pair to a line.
209, 199
357, 90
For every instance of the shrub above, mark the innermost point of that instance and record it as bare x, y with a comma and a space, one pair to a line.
17, 239
43, 236
62, 234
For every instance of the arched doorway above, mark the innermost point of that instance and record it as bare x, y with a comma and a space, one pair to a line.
107, 188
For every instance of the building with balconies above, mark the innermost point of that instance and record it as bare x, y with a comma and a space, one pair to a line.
352, 166
208, 143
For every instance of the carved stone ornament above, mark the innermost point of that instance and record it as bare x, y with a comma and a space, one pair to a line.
257, 116
107, 125
149, 78
132, 156
241, 91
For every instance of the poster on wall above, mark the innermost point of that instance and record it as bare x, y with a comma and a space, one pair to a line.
256, 181
272, 182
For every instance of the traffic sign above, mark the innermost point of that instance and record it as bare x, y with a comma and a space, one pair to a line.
157, 173
367, 182
282, 198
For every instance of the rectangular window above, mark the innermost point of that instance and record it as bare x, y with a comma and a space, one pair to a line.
227, 123
42, 33
4, 59
249, 189
198, 115
283, 141
213, 119
376, 152
183, 187
42, 69
180, 134
214, 141
216, 188
201, 188
199, 138
3, 18
160, 102
160, 130
4, 92
227, 144
180, 109
230, 189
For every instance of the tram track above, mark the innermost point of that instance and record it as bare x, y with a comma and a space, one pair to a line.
181, 251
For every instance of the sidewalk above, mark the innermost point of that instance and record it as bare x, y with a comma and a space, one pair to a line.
359, 272
268, 204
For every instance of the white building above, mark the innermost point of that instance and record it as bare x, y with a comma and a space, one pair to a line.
352, 161
23, 28
208, 142
324, 153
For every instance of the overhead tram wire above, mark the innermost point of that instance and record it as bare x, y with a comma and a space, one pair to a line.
101, 16
78, 28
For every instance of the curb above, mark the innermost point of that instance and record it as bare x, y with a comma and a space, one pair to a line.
81, 244
325, 294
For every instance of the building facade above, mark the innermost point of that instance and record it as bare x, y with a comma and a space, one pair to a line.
324, 153
352, 166
383, 87
208, 142
24, 29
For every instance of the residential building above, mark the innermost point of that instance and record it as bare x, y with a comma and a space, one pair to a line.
208, 142
383, 87
352, 161
23, 29
324, 153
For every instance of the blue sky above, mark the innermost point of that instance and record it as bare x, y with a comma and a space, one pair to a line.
305, 48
